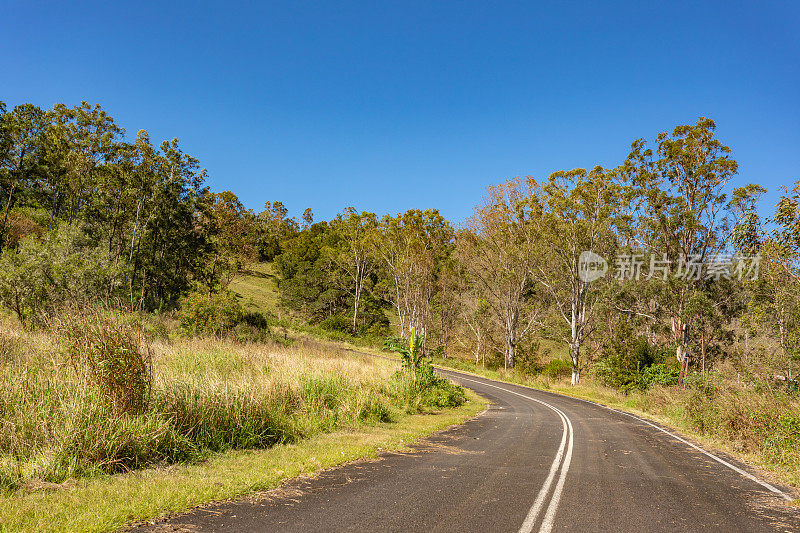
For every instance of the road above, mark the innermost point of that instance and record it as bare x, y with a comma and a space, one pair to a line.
534, 461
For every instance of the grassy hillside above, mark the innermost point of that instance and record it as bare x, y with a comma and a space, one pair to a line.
255, 286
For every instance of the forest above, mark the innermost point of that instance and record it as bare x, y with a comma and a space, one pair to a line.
89, 218
659, 276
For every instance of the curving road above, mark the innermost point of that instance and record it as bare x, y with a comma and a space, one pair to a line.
534, 461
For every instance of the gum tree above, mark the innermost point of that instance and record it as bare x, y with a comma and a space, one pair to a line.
685, 215
497, 249
578, 212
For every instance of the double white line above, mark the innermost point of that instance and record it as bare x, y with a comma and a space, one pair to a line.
562, 459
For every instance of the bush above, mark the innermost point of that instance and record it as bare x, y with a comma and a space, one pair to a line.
528, 359
115, 356
215, 314
44, 276
557, 369
660, 374
338, 324
627, 361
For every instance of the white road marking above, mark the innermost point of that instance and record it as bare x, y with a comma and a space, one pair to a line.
721, 461
566, 437
549, 517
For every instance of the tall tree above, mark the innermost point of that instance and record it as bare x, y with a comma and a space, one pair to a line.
686, 214
412, 248
578, 212
353, 256
498, 249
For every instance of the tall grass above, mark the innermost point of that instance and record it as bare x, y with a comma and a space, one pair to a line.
100, 400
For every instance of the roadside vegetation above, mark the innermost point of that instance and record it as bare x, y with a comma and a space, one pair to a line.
655, 283
98, 398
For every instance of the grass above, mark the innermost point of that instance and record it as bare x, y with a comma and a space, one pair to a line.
71, 415
255, 285
109, 502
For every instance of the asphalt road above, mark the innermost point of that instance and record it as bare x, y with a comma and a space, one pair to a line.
534, 461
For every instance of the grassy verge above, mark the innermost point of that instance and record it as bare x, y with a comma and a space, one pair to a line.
98, 407
108, 502
760, 428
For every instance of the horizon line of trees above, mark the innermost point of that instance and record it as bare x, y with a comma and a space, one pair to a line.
88, 216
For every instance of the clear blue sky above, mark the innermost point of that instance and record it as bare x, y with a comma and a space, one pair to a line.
389, 106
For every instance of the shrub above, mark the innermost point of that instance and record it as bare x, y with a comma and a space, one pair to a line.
660, 374
44, 276
390, 344
557, 369
528, 359
115, 356
214, 314
338, 324
627, 359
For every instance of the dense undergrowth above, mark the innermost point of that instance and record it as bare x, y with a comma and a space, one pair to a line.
102, 396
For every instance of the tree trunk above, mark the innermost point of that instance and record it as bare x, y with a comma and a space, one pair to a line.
574, 354
511, 352
355, 311
5, 214
682, 349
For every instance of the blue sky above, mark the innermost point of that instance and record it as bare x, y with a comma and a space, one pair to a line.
391, 106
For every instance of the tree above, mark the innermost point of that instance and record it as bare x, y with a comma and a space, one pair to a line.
229, 228
308, 218
412, 249
353, 254
775, 302
686, 214
274, 227
44, 276
578, 213
23, 132
497, 249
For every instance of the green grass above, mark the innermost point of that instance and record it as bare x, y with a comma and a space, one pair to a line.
109, 502
255, 285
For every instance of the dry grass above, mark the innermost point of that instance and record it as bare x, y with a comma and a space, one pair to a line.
207, 396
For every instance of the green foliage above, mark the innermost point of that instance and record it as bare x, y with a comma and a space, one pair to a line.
337, 323
659, 374
411, 353
557, 369
529, 357
210, 314
137, 206
630, 362
42, 277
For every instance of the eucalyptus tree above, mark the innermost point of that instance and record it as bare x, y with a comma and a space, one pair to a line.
274, 226
498, 248
171, 247
353, 257
23, 135
775, 303
686, 216
230, 230
412, 248
578, 210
